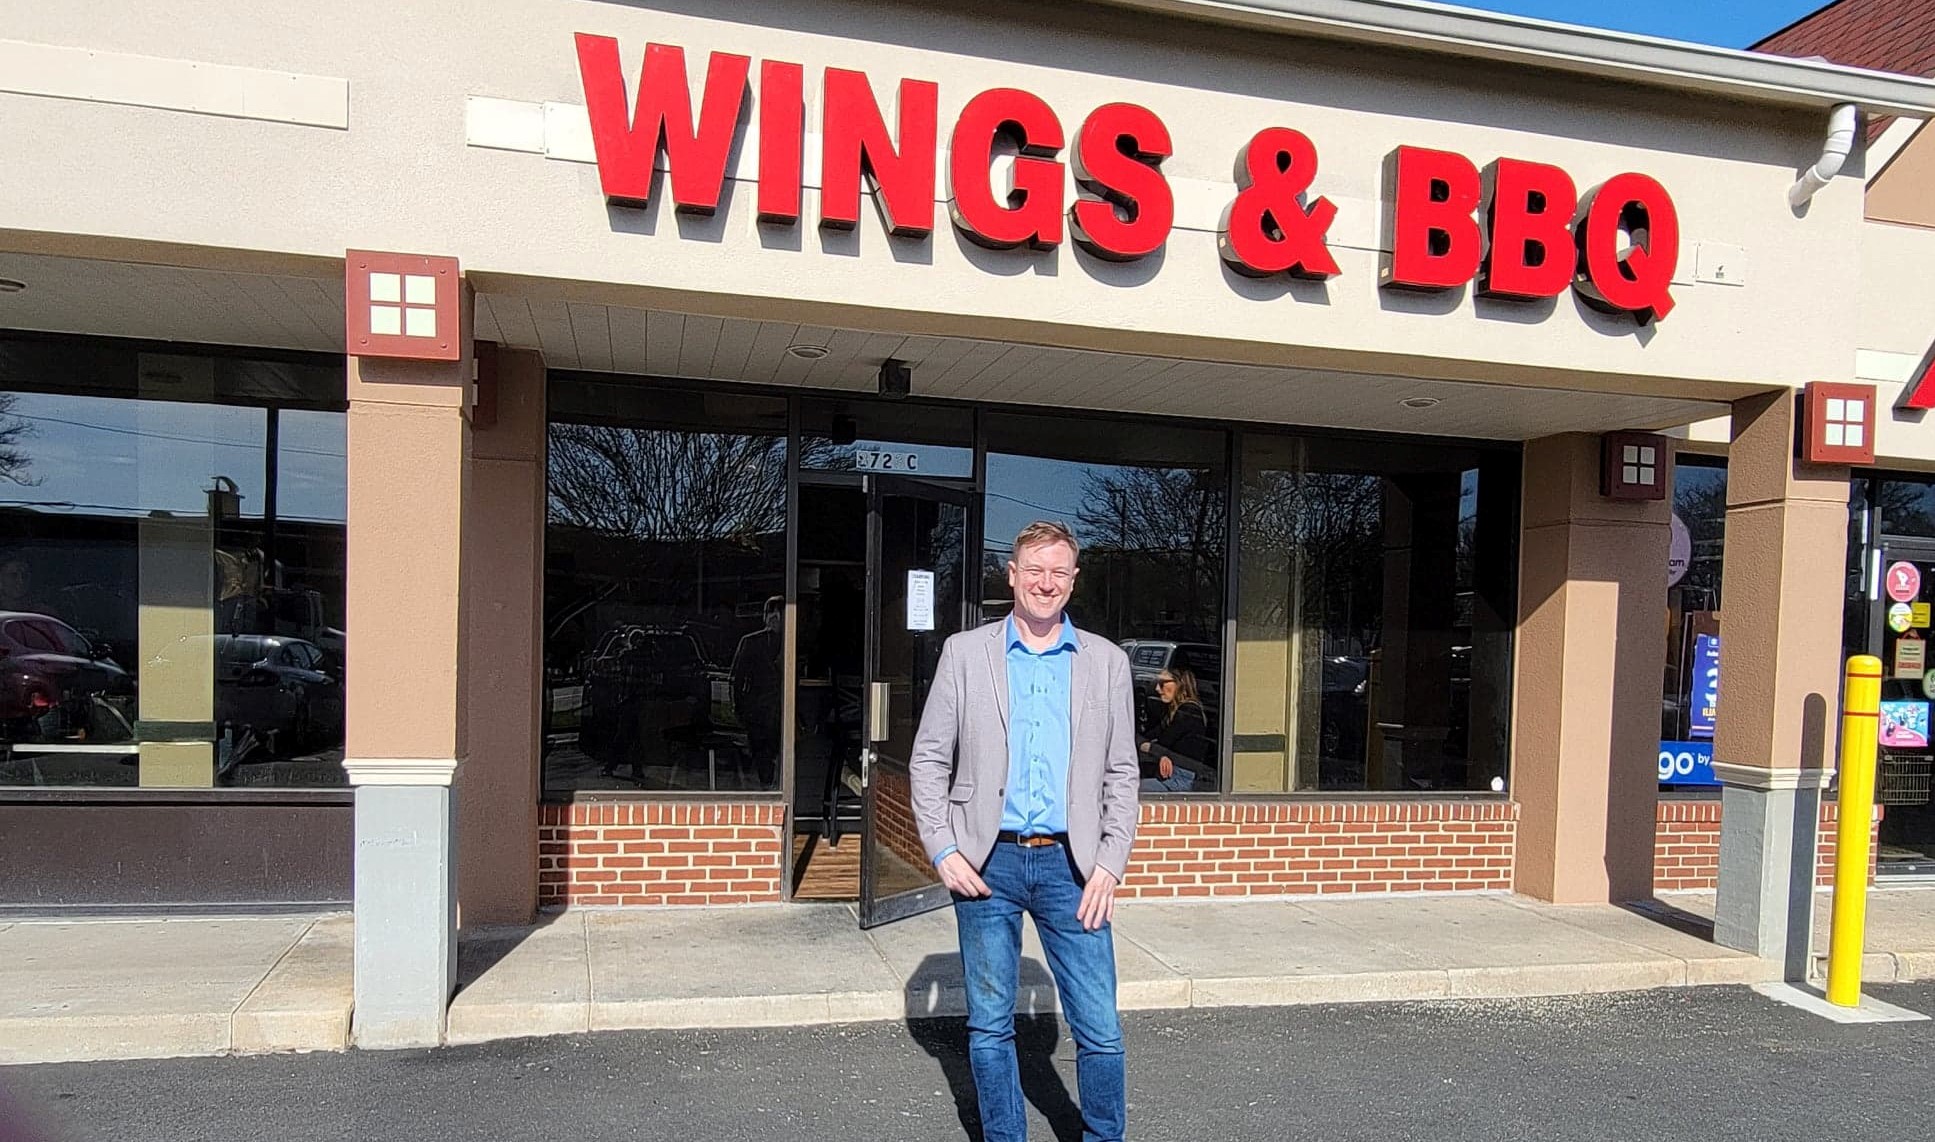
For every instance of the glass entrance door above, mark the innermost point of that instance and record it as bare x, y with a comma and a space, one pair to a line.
1901, 631
917, 574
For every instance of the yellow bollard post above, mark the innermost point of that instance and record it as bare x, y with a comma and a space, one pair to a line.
1860, 723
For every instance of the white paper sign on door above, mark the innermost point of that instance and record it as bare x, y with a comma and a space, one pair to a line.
920, 600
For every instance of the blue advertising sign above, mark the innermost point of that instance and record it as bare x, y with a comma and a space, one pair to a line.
1703, 700
1687, 763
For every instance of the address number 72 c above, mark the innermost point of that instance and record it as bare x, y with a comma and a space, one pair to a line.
886, 462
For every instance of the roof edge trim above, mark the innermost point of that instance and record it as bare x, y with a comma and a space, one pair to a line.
1442, 29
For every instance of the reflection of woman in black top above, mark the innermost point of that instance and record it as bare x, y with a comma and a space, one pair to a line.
1171, 760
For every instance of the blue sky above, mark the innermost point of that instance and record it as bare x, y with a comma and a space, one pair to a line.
1726, 23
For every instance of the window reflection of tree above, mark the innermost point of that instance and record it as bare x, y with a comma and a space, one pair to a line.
1171, 519
1907, 508
1329, 527
15, 462
674, 540
653, 484
1700, 500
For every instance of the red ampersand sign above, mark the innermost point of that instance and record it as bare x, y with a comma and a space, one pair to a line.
1267, 228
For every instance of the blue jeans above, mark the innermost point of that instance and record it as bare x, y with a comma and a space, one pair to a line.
1180, 780
1043, 883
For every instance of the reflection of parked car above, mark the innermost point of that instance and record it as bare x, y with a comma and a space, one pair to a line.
641, 683
1148, 658
55, 685
284, 689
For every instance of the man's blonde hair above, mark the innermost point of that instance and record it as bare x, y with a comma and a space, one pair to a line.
1045, 531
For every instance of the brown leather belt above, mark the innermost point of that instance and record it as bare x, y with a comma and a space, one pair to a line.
1032, 841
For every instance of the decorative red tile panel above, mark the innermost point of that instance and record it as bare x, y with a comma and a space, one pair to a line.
1838, 423
402, 305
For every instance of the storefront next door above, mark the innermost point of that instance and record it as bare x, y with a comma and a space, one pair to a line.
882, 581
1901, 630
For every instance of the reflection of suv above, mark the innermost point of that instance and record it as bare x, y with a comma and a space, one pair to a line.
639, 683
1148, 658
55, 685
285, 689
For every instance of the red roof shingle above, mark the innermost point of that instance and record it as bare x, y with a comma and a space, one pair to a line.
1884, 35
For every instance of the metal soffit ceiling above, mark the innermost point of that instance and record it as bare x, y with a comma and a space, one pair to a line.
167, 303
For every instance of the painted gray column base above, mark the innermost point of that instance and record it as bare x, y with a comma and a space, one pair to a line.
406, 913
1765, 898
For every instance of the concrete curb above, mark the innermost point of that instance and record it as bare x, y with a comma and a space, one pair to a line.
304, 999
304, 1003
93, 1038
480, 1023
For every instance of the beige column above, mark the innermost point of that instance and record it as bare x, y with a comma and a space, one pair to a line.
1586, 688
406, 733
1781, 599
503, 576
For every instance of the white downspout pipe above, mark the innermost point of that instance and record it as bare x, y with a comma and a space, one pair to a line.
1840, 141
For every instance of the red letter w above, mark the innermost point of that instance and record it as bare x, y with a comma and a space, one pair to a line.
627, 146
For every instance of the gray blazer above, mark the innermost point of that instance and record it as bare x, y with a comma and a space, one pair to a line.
959, 765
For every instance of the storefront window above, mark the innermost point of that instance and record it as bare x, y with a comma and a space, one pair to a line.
665, 573
171, 568
1689, 700
1374, 616
1907, 506
1147, 501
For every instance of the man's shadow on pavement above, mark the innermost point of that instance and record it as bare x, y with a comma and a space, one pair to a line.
936, 995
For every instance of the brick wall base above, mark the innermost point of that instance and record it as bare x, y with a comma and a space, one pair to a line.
660, 852
665, 852
1278, 848
1686, 847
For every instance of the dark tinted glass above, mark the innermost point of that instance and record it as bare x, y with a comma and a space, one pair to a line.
665, 570
1374, 613
1693, 599
872, 436
154, 507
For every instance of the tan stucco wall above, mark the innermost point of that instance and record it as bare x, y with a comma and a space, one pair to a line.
503, 577
1585, 704
1904, 191
409, 466
1894, 329
1782, 588
401, 177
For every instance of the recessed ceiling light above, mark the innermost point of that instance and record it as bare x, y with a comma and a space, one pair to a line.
1421, 402
807, 352
9, 285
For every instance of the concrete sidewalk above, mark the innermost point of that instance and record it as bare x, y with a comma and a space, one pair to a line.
136, 989
150, 988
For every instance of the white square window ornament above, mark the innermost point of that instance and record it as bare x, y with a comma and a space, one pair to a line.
1646, 455
420, 289
1857, 412
419, 322
1630, 474
1834, 432
1837, 409
386, 287
1854, 435
386, 320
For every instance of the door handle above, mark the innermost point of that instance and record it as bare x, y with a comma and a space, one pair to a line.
879, 705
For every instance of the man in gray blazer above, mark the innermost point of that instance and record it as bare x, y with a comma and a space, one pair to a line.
1024, 785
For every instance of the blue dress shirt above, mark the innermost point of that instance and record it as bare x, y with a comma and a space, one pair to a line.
1039, 734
